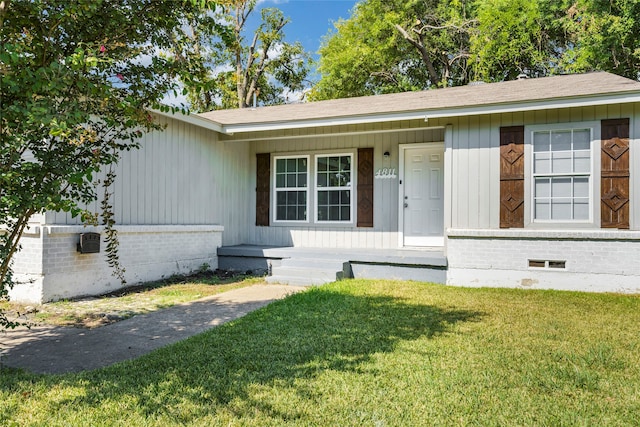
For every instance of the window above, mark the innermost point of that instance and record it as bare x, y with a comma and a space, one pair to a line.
333, 188
562, 175
291, 177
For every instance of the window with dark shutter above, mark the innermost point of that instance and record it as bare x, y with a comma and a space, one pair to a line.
614, 181
512, 177
365, 187
263, 187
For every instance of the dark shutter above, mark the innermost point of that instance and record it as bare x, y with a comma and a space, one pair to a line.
512, 177
365, 187
263, 188
614, 181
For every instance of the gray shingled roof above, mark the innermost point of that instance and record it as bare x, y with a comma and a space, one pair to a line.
528, 90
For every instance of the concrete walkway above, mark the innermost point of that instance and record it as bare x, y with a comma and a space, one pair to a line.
56, 350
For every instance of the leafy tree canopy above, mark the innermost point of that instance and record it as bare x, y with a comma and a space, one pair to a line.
234, 66
78, 78
395, 46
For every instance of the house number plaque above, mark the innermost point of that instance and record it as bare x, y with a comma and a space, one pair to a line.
386, 173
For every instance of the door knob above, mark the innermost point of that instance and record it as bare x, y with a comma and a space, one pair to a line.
406, 205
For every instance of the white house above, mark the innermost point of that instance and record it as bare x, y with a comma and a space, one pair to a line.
532, 183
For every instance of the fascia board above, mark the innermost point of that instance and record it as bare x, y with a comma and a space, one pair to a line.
191, 119
333, 121
533, 106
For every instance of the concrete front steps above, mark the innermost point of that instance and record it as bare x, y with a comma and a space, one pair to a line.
315, 266
307, 270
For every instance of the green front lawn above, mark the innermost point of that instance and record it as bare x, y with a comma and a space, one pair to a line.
370, 353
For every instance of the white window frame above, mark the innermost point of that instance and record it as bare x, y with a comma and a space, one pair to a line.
351, 188
276, 189
593, 175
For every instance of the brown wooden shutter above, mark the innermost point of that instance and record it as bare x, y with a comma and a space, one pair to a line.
512, 177
263, 188
365, 187
614, 180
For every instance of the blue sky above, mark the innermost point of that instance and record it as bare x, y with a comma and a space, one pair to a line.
310, 19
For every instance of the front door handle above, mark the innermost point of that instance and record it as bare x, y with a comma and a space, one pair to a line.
406, 205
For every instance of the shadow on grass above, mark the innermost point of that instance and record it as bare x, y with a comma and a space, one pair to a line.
291, 340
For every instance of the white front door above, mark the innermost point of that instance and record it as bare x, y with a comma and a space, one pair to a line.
422, 201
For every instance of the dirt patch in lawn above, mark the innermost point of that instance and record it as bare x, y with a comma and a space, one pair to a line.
93, 312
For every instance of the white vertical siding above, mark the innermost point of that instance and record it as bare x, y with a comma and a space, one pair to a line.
475, 158
182, 175
384, 234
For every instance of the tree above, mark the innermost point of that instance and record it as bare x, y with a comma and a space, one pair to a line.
78, 80
236, 71
394, 46
602, 35
509, 40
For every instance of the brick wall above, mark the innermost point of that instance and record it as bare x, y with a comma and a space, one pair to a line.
594, 260
50, 262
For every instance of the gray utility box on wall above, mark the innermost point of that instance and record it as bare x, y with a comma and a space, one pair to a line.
89, 243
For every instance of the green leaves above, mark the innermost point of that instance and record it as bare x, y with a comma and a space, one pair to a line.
395, 46
78, 78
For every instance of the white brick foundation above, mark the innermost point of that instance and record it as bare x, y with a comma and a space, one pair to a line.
50, 268
595, 260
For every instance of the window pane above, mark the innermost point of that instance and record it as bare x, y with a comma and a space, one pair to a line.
291, 206
291, 165
561, 187
302, 180
543, 187
581, 139
345, 197
333, 180
333, 164
542, 209
345, 163
581, 209
542, 163
334, 197
334, 213
561, 163
323, 198
345, 213
302, 165
291, 181
323, 213
561, 140
582, 161
322, 180
280, 180
323, 165
561, 209
541, 141
581, 187
280, 165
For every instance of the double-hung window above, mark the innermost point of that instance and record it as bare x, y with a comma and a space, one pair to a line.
333, 188
562, 174
291, 181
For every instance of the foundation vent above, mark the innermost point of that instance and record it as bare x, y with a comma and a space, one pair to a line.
540, 263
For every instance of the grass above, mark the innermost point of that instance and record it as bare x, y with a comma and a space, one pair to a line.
373, 353
127, 302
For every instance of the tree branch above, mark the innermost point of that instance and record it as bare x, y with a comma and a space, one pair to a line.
422, 49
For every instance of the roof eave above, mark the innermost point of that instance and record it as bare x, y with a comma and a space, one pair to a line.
543, 104
426, 114
192, 119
